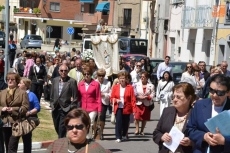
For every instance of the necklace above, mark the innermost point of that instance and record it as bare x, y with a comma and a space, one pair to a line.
179, 120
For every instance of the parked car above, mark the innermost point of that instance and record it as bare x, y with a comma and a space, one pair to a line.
2, 39
31, 41
138, 57
177, 70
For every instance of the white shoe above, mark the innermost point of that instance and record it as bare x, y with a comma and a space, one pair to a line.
118, 140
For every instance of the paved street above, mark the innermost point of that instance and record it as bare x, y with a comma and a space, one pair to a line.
135, 144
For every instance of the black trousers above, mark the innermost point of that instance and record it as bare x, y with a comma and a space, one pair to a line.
37, 89
11, 142
103, 112
2, 149
47, 92
58, 118
11, 58
122, 123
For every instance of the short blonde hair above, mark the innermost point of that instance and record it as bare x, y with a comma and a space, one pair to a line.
101, 72
26, 81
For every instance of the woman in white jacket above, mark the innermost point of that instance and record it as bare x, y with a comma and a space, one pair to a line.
105, 97
164, 91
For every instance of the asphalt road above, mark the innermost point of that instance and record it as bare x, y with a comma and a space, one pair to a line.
135, 144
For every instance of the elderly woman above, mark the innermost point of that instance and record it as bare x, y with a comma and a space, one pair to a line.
177, 115
164, 91
90, 97
198, 81
77, 123
123, 98
33, 110
205, 109
144, 94
105, 97
21, 67
12, 100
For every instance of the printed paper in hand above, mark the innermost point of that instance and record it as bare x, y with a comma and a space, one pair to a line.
176, 136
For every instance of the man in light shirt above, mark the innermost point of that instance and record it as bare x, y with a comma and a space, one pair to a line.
164, 66
76, 73
224, 68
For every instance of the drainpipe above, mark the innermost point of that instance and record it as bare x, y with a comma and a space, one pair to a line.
139, 30
147, 21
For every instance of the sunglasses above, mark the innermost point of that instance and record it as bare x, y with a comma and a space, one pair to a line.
138, 65
10, 79
189, 66
77, 126
101, 75
63, 70
218, 92
86, 74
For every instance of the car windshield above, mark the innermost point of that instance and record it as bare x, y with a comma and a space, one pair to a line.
154, 63
35, 37
2, 34
178, 67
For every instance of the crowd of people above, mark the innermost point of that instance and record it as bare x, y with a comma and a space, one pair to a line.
80, 94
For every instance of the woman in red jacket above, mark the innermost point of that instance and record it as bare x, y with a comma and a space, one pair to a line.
123, 97
90, 97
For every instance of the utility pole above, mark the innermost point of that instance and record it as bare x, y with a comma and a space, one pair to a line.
6, 38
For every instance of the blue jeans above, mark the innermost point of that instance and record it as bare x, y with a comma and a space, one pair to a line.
122, 123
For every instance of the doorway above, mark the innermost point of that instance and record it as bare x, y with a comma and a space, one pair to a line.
26, 27
33, 29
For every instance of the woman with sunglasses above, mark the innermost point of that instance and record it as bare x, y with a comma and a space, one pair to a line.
188, 71
205, 109
90, 97
144, 94
13, 102
77, 123
176, 116
105, 97
123, 99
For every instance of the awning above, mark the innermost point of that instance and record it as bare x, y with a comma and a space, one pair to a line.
86, 1
103, 7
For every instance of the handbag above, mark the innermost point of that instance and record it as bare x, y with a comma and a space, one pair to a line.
113, 119
162, 95
24, 126
151, 106
39, 81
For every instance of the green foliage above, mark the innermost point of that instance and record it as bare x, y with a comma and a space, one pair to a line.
16, 10
36, 11
2, 7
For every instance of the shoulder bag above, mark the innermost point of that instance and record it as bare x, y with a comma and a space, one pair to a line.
39, 81
24, 126
162, 95
112, 120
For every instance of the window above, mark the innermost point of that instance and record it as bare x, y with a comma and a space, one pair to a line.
227, 17
56, 33
91, 8
75, 35
127, 17
177, 1
54, 6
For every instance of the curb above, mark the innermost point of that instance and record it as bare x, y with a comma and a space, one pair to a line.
36, 145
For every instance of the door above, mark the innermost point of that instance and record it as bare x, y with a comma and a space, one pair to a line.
26, 27
33, 29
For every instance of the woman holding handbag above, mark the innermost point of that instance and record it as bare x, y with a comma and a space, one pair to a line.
14, 104
34, 109
144, 92
124, 100
164, 91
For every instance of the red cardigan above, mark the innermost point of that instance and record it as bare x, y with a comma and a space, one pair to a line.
129, 99
90, 99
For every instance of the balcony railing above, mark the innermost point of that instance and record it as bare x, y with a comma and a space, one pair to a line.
198, 17
86, 18
27, 12
123, 22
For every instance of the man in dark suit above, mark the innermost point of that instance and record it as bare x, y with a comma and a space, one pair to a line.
206, 109
63, 97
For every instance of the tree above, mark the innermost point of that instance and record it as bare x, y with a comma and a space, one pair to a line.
2, 7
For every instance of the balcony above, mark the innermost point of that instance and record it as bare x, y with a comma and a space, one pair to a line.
123, 22
199, 17
27, 13
90, 18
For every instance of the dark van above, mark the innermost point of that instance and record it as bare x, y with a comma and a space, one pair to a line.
2, 39
133, 46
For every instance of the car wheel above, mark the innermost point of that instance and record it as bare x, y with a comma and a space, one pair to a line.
21, 46
3, 46
39, 48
